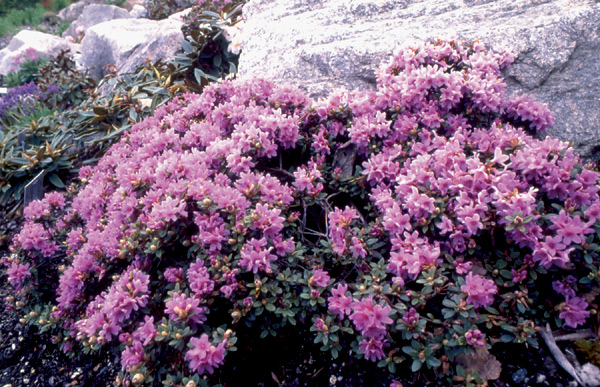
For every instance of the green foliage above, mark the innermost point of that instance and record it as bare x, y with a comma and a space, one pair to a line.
62, 27
60, 4
118, 3
28, 71
206, 54
74, 86
61, 143
80, 135
6, 6
14, 14
161, 9
16, 18
590, 349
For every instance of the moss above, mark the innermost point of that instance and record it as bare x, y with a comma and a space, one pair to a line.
590, 349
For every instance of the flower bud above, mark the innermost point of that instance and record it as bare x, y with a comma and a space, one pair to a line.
191, 383
138, 378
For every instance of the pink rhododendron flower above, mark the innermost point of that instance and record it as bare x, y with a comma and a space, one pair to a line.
203, 356
370, 319
256, 256
17, 273
146, 331
475, 338
411, 317
199, 279
574, 311
132, 355
339, 302
373, 348
319, 278
480, 291
183, 308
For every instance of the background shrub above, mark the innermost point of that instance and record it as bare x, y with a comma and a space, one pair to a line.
408, 225
93, 119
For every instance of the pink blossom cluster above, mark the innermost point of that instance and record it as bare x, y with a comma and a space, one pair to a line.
479, 290
108, 312
574, 311
202, 206
204, 356
371, 321
341, 233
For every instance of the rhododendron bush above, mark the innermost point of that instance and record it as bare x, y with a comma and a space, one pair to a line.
405, 225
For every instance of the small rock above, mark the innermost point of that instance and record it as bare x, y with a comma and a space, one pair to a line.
573, 383
541, 378
333, 380
590, 375
519, 376
26, 380
138, 12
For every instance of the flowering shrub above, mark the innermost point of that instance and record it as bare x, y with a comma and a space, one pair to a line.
408, 225
22, 102
25, 68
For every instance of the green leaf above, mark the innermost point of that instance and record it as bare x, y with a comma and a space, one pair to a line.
416, 365
187, 46
101, 111
506, 338
211, 14
56, 181
433, 362
392, 367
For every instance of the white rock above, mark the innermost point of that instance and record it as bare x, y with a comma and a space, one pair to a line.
590, 375
138, 12
94, 14
180, 15
46, 45
323, 44
73, 11
126, 43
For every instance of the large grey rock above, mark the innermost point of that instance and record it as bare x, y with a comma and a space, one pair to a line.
126, 43
94, 14
46, 46
73, 11
323, 44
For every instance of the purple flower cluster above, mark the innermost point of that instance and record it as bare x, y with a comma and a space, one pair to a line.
22, 101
